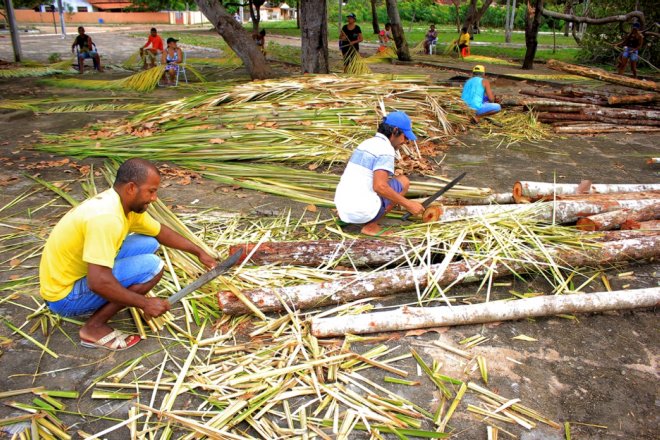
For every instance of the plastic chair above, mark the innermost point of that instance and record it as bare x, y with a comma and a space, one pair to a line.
181, 69
465, 52
432, 46
95, 49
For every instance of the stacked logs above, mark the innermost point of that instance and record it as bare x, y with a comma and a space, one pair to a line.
572, 110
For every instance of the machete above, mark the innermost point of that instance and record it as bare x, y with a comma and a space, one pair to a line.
208, 276
435, 196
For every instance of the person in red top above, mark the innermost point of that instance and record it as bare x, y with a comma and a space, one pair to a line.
152, 52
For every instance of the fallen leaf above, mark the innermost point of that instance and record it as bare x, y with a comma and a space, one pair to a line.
421, 331
217, 141
311, 208
313, 166
250, 126
14, 262
525, 338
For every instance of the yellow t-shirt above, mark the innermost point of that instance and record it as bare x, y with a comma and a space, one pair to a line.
464, 39
92, 232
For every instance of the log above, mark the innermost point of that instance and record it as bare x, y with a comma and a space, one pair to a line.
357, 252
633, 99
535, 190
409, 318
600, 74
559, 97
577, 118
614, 219
622, 113
605, 128
511, 101
394, 281
565, 116
557, 109
499, 198
562, 211
649, 225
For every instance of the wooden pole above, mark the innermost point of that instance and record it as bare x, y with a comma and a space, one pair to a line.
633, 99
13, 30
614, 219
592, 72
408, 318
606, 128
394, 281
649, 225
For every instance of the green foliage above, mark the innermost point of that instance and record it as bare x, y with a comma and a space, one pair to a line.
54, 58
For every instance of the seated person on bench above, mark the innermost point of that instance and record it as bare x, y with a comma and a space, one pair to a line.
86, 49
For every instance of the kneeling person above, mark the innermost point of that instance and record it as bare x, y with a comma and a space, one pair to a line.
478, 95
368, 188
91, 265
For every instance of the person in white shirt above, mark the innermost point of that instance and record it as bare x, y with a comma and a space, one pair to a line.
368, 188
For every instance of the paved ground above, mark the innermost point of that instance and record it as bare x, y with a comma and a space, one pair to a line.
598, 370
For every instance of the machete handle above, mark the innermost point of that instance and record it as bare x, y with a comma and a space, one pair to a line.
406, 216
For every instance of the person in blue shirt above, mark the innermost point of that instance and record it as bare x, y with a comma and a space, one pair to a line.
478, 95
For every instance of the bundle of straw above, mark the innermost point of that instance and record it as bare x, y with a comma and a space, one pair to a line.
354, 64
24, 72
384, 56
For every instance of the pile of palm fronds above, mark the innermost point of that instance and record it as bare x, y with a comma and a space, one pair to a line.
134, 61
144, 81
308, 120
35, 71
354, 64
79, 104
384, 56
511, 128
489, 60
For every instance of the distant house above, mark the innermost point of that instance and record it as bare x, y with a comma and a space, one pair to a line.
91, 6
110, 5
269, 12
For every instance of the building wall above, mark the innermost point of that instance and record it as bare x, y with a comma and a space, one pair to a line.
29, 16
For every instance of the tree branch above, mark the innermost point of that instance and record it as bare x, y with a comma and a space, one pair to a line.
589, 20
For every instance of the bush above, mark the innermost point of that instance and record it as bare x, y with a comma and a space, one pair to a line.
54, 58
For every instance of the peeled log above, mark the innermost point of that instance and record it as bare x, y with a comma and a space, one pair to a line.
650, 225
606, 128
602, 75
357, 252
622, 113
409, 318
562, 211
536, 190
393, 281
558, 97
633, 99
614, 219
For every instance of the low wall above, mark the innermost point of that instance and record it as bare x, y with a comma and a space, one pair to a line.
29, 16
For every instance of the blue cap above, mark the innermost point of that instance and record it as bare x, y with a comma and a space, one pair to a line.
401, 121
351, 15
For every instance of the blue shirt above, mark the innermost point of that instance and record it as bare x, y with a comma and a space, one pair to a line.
473, 93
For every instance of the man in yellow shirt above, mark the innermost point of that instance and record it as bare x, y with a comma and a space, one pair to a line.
91, 265
463, 40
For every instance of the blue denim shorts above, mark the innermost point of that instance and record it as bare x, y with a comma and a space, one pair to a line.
136, 263
385, 203
488, 107
633, 54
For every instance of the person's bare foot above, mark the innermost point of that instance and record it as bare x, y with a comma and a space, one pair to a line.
374, 230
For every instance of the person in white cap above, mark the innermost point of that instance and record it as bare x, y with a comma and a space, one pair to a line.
478, 95
368, 188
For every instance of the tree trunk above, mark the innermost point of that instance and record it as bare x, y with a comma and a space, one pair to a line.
532, 191
512, 23
559, 97
409, 318
239, 40
507, 17
314, 36
603, 20
457, 5
568, 8
532, 23
474, 15
357, 252
633, 99
582, 117
401, 280
614, 219
593, 72
622, 113
374, 17
397, 31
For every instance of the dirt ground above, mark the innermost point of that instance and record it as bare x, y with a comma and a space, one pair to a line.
599, 373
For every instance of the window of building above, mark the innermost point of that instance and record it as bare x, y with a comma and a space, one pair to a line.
82, 8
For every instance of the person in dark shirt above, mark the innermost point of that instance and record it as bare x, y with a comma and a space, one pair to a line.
350, 38
86, 49
631, 45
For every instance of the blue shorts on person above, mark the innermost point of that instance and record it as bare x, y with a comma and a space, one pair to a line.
87, 54
633, 54
135, 263
488, 107
385, 203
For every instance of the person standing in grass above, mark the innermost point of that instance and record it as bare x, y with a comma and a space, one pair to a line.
463, 40
86, 49
171, 58
100, 257
150, 53
631, 45
478, 95
368, 188
350, 38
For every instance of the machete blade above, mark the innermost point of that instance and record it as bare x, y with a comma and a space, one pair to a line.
208, 276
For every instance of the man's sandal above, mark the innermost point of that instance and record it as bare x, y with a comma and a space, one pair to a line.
120, 341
